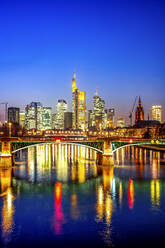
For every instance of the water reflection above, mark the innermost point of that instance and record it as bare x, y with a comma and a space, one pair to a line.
58, 219
155, 193
105, 203
74, 207
7, 210
58, 162
64, 182
130, 194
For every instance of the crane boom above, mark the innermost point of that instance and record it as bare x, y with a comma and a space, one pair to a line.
130, 115
134, 104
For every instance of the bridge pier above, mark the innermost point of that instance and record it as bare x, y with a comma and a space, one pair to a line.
6, 156
106, 158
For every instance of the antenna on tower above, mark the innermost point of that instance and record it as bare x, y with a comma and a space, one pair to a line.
74, 75
96, 91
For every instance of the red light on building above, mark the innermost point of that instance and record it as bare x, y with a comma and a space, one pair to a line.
57, 140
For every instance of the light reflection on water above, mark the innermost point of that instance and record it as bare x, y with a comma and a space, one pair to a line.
65, 183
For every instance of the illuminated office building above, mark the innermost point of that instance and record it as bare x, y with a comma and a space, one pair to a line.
82, 110
139, 114
120, 122
33, 116
13, 115
61, 108
53, 120
22, 119
90, 119
46, 118
156, 113
110, 118
67, 120
78, 107
98, 117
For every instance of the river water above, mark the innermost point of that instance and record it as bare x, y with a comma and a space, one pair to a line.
57, 196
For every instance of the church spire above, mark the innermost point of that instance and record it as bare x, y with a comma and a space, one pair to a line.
139, 114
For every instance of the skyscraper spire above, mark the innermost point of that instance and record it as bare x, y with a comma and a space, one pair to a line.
74, 83
96, 91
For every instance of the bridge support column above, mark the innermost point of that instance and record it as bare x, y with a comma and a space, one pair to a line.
106, 158
6, 158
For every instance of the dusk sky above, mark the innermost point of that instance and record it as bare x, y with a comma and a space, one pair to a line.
116, 46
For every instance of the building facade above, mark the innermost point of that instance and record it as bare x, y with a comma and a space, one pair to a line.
46, 118
67, 120
33, 116
22, 119
110, 117
156, 113
61, 108
78, 107
13, 115
120, 122
98, 117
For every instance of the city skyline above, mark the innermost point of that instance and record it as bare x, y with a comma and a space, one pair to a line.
116, 47
126, 117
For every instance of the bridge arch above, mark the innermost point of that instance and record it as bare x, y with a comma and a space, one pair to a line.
130, 144
56, 143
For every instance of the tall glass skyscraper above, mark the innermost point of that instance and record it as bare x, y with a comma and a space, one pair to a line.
98, 117
33, 116
78, 107
22, 119
61, 108
13, 115
47, 118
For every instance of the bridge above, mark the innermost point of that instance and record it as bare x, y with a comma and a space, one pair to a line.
105, 148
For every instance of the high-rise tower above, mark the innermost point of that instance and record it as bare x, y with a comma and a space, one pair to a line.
61, 108
13, 115
33, 116
78, 106
139, 114
156, 113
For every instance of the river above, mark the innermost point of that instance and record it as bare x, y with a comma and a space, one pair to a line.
56, 195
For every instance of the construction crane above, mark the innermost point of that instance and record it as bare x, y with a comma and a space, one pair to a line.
130, 114
5, 103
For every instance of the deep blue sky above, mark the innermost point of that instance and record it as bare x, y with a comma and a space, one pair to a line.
117, 46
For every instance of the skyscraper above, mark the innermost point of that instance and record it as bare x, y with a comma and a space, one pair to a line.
78, 107
22, 118
13, 115
33, 116
46, 118
156, 113
67, 120
98, 117
139, 114
82, 110
61, 108
110, 117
